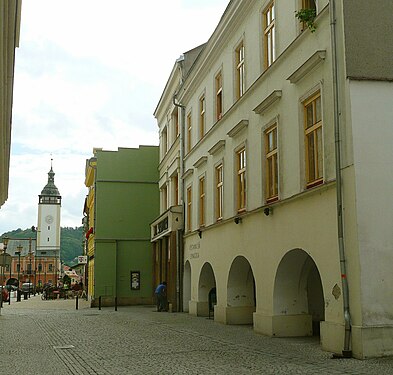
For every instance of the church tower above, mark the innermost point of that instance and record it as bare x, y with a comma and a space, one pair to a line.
48, 232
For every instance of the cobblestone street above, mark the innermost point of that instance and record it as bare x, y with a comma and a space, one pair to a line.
53, 338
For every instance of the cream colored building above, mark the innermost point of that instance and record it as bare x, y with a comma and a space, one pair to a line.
10, 12
285, 242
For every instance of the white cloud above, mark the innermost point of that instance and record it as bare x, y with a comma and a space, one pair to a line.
89, 73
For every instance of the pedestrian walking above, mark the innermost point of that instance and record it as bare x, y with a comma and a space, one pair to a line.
161, 297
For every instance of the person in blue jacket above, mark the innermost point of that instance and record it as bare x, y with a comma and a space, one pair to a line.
161, 298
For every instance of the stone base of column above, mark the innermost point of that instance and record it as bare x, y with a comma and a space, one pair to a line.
234, 314
283, 325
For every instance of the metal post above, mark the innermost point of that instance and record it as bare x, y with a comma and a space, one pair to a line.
115, 303
99, 303
76, 302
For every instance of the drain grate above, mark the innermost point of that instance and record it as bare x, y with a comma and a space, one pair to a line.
64, 347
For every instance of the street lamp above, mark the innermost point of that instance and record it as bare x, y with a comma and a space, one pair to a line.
20, 248
5, 243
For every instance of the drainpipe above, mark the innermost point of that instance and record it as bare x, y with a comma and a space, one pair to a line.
347, 352
179, 234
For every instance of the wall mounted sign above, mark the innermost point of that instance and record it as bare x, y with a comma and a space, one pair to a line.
135, 280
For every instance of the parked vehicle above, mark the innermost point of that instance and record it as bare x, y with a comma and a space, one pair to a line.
27, 287
5, 294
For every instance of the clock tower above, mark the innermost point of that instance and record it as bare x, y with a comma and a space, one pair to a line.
48, 231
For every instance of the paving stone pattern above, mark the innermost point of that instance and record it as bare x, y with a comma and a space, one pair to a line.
53, 338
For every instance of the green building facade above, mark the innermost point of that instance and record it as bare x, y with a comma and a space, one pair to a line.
126, 202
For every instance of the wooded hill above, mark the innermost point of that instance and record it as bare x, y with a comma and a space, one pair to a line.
71, 244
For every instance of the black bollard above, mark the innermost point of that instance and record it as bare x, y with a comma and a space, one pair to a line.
115, 303
99, 303
76, 302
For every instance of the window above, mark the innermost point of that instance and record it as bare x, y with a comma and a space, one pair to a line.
240, 83
310, 5
39, 267
18, 267
164, 141
241, 180
269, 35
175, 122
218, 96
164, 191
50, 267
202, 116
313, 140
202, 201
189, 129
271, 171
219, 191
175, 181
189, 208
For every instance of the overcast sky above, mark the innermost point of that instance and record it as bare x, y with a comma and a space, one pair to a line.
89, 73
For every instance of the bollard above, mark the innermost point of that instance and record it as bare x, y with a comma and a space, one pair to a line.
76, 302
115, 303
99, 303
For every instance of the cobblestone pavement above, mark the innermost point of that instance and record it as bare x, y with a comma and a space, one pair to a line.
53, 338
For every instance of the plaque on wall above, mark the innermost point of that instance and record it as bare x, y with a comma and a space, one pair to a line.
135, 280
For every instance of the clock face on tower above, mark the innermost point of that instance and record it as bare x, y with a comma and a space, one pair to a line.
49, 219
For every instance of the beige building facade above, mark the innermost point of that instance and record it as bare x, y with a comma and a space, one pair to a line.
284, 183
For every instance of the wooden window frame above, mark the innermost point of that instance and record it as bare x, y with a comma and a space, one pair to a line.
271, 164
240, 70
164, 140
269, 21
176, 190
241, 165
175, 119
219, 96
219, 201
189, 208
202, 201
189, 132
202, 116
164, 190
314, 171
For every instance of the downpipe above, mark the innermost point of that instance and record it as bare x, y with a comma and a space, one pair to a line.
346, 352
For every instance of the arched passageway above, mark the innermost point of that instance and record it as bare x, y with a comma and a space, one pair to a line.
186, 286
207, 282
298, 301
241, 300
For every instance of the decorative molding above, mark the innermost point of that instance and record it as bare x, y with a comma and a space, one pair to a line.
262, 107
188, 173
317, 58
217, 147
240, 126
202, 160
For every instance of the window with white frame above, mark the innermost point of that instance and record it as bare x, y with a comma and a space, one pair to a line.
219, 98
202, 116
189, 132
189, 208
269, 34
240, 71
241, 179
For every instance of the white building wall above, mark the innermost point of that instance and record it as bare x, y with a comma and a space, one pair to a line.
372, 128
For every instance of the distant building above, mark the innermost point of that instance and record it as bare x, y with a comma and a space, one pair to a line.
48, 232
10, 15
37, 260
122, 201
286, 135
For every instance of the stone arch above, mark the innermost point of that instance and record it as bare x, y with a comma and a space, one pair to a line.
207, 282
241, 296
186, 286
298, 295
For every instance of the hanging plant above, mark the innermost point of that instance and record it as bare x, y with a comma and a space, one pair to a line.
307, 16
